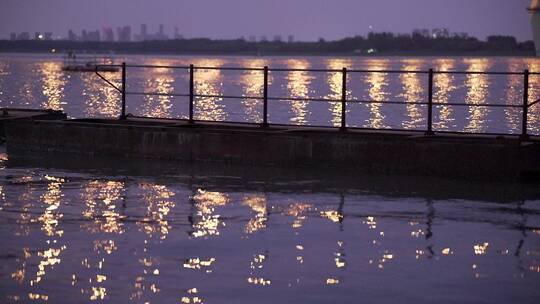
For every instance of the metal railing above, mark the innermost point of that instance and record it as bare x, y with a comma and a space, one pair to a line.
343, 100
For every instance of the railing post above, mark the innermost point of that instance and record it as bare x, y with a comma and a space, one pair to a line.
430, 103
265, 98
344, 100
123, 112
191, 92
524, 135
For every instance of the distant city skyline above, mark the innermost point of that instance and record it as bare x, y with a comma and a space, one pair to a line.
127, 34
236, 18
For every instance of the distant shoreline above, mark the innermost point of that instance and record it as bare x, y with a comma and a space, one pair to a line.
350, 47
281, 54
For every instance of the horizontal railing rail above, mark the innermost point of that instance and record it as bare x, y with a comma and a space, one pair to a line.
344, 100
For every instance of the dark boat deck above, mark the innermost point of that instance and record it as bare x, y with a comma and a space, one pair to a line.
475, 156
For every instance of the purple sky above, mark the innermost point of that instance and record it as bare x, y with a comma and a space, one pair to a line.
305, 19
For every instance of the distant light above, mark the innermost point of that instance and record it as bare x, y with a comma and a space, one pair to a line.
371, 27
40, 36
53, 50
371, 51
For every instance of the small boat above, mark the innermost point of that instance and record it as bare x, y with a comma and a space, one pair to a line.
78, 63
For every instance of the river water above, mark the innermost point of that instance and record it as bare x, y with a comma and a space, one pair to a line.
38, 81
89, 230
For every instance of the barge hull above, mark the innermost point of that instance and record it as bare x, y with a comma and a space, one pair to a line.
475, 157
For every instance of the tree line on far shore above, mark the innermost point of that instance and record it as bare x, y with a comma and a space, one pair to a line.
373, 44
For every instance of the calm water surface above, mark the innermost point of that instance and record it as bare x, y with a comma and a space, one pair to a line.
193, 235
154, 233
38, 81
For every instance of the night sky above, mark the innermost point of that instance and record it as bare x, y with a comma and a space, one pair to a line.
305, 19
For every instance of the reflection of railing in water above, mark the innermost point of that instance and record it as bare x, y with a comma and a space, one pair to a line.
343, 100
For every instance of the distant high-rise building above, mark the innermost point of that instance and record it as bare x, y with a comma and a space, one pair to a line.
13, 36
90, 36
123, 34
160, 35
127, 32
290, 39
252, 38
263, 38
177, 34
277, 38
108, 34
143, 35
47, 36
72, 36
144, 31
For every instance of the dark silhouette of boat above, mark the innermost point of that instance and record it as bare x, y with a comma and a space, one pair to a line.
78, 63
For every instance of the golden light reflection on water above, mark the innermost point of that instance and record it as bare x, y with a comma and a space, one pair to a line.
533, 65
100, 100
37, 296
199, 264
386, 257
339, 256
371, 222
481, 249
443, 86
298, 86
98, 293
49, 258
4, 71
52, 199
447, 251
26, 92
191, 297
478, 90
158, 199
413, 91
332, 281
514, 95
209, 82
257, 263
53, 84
99, 270
335, 82
258, 205
50, 219
103, 206
160, 81
333, 215
26, 199
259, 281
299, 212
377, 91
207, 222
252, 83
